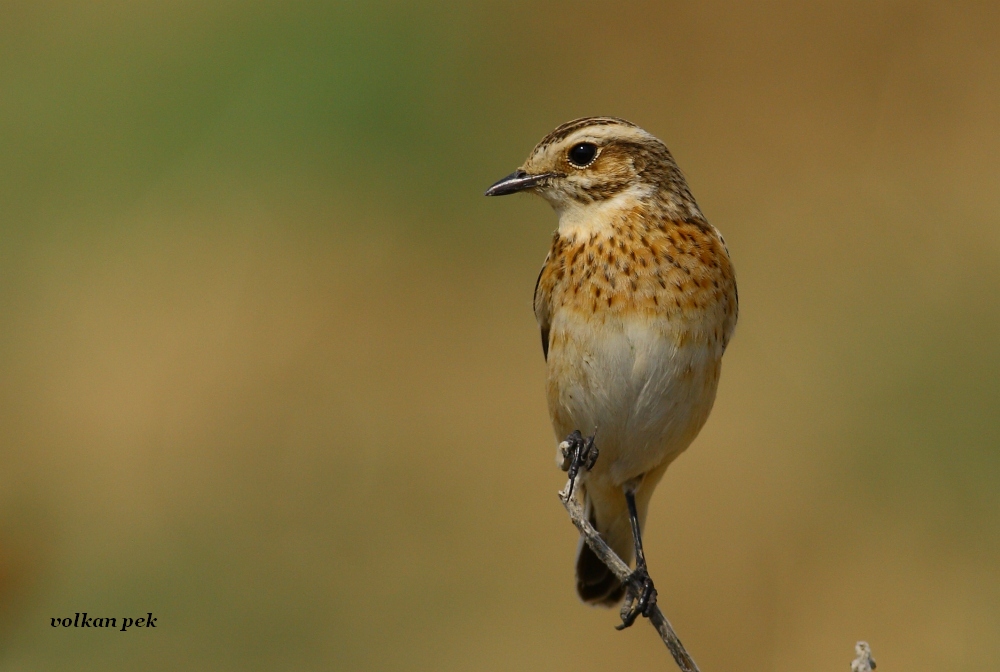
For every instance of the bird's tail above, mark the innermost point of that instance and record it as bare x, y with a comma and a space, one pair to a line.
608, 513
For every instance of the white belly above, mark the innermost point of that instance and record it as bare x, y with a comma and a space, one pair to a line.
646, 392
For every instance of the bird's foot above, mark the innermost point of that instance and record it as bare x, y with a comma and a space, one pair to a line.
577, 453
640, 597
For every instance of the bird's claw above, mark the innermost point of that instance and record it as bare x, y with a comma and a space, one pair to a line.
640, 597
577, 453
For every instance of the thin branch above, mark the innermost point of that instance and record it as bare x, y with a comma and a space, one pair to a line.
623, 572
864, 662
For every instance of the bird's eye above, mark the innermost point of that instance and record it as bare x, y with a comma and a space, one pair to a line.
582, 154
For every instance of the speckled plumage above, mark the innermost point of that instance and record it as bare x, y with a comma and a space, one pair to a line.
636, 302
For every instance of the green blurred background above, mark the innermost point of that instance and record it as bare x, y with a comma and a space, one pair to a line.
268, 366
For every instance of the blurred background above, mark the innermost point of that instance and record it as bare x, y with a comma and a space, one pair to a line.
269, 369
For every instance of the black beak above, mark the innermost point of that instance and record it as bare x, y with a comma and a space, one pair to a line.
516, 181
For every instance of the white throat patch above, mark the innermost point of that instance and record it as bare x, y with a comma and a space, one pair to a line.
581, 220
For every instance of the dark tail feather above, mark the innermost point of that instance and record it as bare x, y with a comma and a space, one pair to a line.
595, 583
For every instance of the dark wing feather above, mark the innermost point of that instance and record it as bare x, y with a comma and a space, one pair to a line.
542, 315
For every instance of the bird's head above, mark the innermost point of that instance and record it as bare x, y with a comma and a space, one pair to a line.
600, 163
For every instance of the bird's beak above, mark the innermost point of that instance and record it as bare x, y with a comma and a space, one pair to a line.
519, 180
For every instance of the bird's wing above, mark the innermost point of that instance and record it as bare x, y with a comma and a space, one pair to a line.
541, 305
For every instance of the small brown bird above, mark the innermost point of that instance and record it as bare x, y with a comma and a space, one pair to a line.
636, 302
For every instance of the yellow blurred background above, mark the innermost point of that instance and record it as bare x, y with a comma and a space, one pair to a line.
269, 370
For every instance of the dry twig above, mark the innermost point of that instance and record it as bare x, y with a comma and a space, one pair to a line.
623, 572
863, 663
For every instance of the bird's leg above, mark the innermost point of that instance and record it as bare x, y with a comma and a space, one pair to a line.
577, 453
640, 595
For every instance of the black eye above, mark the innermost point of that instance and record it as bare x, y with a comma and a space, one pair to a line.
582, 154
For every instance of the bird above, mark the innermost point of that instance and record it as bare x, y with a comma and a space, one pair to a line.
636, 302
